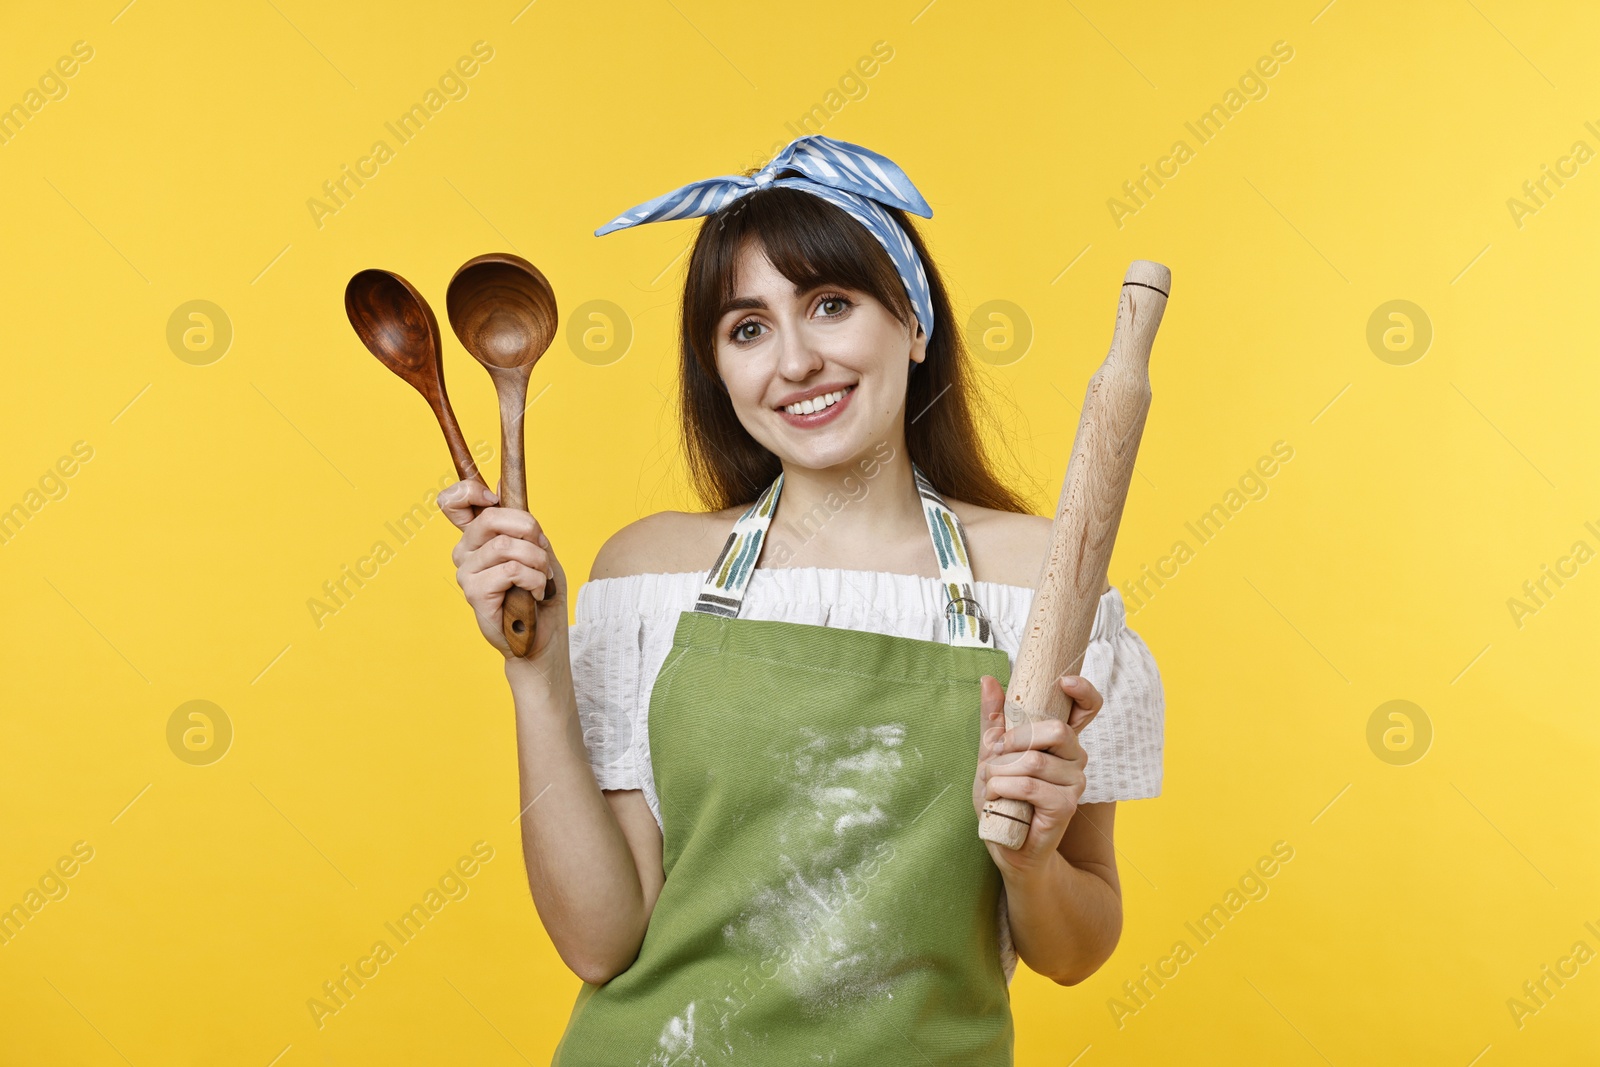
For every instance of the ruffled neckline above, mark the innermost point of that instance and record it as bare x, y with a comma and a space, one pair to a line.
887, 593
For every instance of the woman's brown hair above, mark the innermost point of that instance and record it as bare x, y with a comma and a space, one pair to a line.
812, 243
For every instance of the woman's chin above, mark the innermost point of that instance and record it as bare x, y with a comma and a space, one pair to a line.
845, 451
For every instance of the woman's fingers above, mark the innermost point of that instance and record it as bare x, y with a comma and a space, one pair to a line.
991, 708
1033, 763
492, 582
1002, 744
502, 549
1086, 700
1050, 735
1038, 792
458, 500
991, 724
1038, 762
495, 521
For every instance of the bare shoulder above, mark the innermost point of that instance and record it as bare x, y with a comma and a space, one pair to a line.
1007, 548
668, 542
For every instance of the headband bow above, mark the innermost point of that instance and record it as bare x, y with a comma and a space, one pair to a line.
854, 179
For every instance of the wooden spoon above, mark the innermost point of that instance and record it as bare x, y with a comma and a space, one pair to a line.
504, 312
398, 327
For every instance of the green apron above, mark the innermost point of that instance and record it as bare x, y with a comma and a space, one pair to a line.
827, 898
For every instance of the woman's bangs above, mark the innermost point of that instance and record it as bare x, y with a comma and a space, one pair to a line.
812, 244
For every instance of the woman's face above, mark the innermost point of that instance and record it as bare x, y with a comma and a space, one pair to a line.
778, 348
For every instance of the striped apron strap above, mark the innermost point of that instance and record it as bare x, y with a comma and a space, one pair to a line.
965, 622
723, 592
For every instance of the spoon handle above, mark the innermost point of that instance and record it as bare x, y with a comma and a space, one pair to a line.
460, 454
519, 613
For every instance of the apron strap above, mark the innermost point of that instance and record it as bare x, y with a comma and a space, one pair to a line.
965, 622
723, 592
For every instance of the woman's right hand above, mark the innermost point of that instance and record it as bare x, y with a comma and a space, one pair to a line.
499, 548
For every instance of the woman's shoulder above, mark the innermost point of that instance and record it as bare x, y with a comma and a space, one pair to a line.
668, 542
1007, 547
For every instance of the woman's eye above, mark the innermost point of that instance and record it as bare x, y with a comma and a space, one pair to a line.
831, 307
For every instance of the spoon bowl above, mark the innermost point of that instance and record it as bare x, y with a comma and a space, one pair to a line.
503, 310
397, 325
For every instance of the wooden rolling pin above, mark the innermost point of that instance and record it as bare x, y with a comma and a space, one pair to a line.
1087, 516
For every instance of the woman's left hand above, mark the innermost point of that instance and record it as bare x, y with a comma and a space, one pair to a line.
1041, 763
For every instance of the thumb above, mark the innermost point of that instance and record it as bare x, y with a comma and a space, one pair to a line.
1080, 715
991, 708
459, 500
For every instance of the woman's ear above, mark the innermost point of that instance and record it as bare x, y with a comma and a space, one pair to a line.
919, 345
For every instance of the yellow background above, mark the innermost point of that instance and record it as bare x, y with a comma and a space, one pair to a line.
369, 754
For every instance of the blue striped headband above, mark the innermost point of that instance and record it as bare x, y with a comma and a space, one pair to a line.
854, 179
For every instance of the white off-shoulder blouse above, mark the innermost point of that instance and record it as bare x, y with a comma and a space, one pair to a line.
624, 626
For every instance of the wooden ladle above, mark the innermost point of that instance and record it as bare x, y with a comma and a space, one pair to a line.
504, 312
398, 327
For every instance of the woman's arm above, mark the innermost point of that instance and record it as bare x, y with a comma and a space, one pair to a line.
579, 844
1066, 918
1063, 898
592, 869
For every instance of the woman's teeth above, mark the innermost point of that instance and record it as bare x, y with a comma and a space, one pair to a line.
817, 403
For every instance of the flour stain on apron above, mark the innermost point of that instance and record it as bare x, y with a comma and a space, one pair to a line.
837, 787
677, 1043
817, 918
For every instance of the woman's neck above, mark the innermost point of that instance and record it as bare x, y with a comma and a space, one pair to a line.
862, 515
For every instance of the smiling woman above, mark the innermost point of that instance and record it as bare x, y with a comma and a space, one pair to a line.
797, 246
758, 773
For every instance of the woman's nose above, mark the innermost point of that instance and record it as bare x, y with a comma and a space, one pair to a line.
800, 357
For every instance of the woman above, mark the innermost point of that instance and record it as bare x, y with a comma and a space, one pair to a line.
739, 824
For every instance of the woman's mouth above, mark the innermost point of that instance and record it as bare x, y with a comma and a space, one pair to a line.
819, 409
